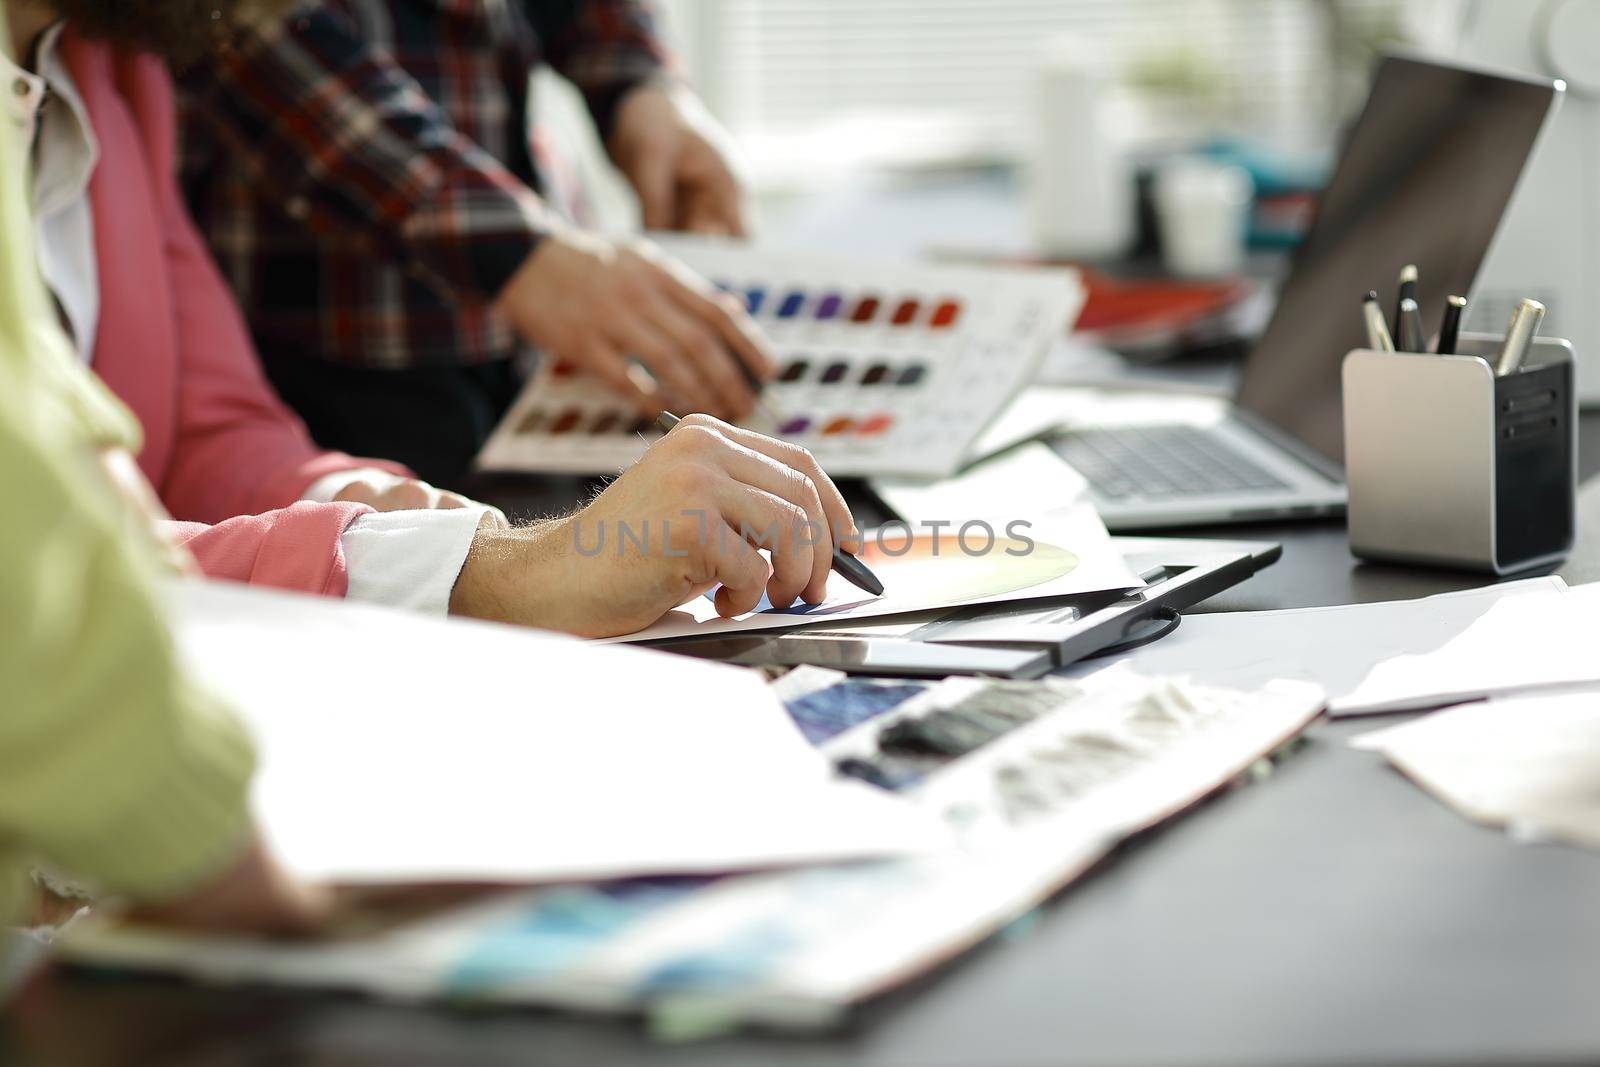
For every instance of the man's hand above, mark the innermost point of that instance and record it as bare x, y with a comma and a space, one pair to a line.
408, 494
254, 896
679, 160
686, 518
400, 494
595, 303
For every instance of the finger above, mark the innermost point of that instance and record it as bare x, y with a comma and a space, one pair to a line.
703, 214
712, 361
740, 569
716, 207
611, 367
358, 492
653, 181
771, 522
449, 501
725, 314
706, 224
699, 445
739, 218
409, 495
669, 365
841, 523
749, 467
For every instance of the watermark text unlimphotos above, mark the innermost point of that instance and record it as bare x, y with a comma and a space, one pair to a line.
676, 538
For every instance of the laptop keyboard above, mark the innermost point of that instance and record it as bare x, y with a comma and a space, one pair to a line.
1131, 462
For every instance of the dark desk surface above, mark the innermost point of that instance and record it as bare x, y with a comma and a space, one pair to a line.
1331, 914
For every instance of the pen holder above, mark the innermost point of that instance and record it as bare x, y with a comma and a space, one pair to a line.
1449, 465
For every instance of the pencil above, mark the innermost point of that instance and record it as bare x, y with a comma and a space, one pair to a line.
758, 387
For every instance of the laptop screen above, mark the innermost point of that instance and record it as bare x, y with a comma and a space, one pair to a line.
1426, 175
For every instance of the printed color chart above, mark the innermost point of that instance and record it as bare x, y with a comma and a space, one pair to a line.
884, 369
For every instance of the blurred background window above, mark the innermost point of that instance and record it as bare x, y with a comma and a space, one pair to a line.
933, 82
824, 94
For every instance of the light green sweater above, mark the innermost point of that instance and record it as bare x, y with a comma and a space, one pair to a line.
113, 768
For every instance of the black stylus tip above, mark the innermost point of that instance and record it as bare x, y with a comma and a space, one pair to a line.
856, 573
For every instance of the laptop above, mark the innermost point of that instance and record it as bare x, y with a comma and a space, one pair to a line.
1425, 178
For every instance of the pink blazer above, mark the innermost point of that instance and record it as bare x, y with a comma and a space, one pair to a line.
224, 453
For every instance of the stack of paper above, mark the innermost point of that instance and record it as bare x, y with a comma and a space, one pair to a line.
1521, 644
965, 561
1027, 812
1027, 482
1530, 764
1406, 655
396, 748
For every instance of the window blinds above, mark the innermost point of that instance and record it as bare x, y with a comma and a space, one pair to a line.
775, 69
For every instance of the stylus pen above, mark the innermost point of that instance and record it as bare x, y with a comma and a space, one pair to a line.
758, 387
1378, 338
1408, 291
1450, 332
1411, 339
845, 565
1524, 328
645, 380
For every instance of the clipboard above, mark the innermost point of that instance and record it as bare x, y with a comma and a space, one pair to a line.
1023, 640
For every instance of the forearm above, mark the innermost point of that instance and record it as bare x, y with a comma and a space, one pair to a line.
507, 576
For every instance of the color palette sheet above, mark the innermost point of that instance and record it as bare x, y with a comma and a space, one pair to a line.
892, 368
926, 570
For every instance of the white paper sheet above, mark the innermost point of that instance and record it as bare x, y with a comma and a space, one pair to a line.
794, 948
1027, 481
1530, 764
396, 748
1059, 556
1040, 410
1520, 644
1366, 655
1033, 412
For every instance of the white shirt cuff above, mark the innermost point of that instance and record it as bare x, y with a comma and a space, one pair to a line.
325, 488
409, 559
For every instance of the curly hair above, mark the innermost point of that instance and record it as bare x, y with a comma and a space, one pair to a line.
179, 30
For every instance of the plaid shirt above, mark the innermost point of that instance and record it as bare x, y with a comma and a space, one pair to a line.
363, 172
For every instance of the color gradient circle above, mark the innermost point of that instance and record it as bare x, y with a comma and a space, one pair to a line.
941, 569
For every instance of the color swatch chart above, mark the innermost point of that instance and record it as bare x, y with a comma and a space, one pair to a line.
884, 368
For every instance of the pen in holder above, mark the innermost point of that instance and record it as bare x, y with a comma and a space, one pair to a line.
1449, 465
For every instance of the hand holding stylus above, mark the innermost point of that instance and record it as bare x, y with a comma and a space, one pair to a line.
844, 564
689, 517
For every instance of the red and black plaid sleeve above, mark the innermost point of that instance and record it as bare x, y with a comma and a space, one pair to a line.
331, 125
604, 47
363, 173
